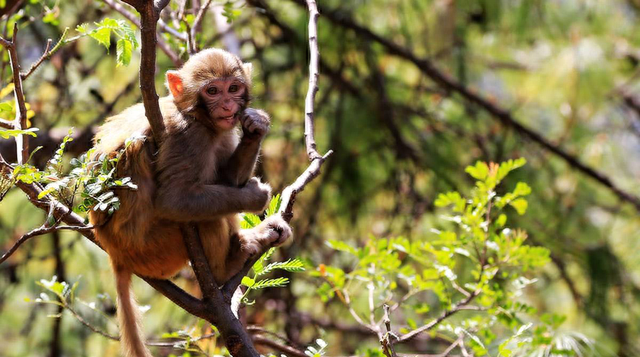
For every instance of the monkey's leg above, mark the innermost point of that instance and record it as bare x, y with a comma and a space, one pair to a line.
272, 232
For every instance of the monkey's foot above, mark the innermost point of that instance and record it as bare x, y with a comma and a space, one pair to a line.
272, 232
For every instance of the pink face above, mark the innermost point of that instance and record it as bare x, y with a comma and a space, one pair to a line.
224, 99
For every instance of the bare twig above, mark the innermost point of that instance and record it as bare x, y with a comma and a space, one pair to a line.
313, 81
6, 124
171, 31
196, 24
38, 232
458, 307
287, 350
44, 56
388, 338
20, 122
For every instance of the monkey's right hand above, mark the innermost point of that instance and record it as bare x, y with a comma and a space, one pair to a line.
258, 195
255, 124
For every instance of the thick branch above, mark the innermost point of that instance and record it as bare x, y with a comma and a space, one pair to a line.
504, 116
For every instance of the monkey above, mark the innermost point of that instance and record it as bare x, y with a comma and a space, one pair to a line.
201, 173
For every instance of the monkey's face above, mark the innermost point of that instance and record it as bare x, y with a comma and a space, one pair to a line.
224, 98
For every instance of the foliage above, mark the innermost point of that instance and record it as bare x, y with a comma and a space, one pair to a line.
91, 177
127, 41
476, 257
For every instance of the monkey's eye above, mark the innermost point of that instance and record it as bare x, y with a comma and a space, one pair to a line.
233, 88
212, 90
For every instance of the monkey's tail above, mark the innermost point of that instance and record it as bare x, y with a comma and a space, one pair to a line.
129, 317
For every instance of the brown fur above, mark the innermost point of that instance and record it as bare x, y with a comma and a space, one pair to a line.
181, 182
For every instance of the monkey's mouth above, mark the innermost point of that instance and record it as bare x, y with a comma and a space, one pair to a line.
228, 120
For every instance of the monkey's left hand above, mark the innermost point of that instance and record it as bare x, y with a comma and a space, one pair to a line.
255, 124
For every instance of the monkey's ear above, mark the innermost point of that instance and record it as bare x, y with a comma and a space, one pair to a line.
174, 82
248, 69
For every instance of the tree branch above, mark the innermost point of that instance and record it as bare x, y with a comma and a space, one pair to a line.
38, 232
197, 22
20, 122
290, 192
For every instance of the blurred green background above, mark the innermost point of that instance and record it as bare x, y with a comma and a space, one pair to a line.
566, 69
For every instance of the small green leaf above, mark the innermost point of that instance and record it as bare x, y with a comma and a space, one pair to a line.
82, 28
248, 282
274, 205
479, 171
250, 220
520, 205
123, 51
103, 36
271, 283
12, 133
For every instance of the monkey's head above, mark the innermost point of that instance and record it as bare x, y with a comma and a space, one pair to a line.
212, 86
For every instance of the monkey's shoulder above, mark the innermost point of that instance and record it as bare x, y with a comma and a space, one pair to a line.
132, 122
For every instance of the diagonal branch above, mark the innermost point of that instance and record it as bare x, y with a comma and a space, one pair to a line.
503, 115
38, 232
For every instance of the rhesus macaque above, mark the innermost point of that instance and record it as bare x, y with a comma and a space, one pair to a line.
201, 173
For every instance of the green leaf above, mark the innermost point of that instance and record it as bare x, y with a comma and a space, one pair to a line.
520, 205
248, 282
249, 220
479, 171
342, 246
82, 28
271, 283
103, 36
274, 205
12, 133
291, 265
123, 51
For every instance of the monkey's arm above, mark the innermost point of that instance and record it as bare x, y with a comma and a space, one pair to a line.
242, 163
202, 202
239, 169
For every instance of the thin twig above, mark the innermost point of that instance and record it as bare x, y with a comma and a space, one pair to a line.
6, 124
38, 232
388, 338
287, 350
458, 307
197, 22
